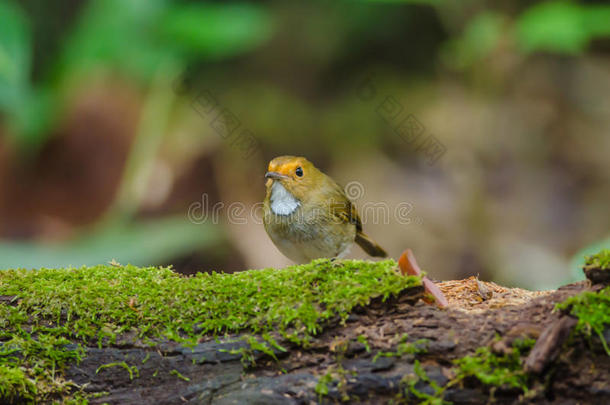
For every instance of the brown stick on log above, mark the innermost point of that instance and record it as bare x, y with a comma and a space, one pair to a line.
549, 344
408, 265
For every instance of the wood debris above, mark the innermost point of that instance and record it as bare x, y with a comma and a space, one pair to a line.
471, 294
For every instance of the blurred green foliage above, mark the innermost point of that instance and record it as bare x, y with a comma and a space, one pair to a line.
152, 241
553, 26
150, 42
18, 99
215, 31
146, 41
478, 41
136, 37
561, 27
14, 55
133, 38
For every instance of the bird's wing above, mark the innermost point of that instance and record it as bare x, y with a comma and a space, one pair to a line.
343, 209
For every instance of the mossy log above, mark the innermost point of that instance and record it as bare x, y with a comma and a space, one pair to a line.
325, 332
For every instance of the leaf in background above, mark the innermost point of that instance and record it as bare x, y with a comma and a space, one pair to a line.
561, 27
28, 109
35, 117
143, 243
150, 133
114, 34
478, 41
15, 56
215, 30
431, 2
15, 61
597, 20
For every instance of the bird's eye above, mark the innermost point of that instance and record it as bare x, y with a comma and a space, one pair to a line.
299, 171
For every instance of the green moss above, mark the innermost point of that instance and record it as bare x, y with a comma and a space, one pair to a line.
29, 360
104, 301
362, 339
323, 383
98, 304
489, 368
592, 309
593, 313
264, 345
15, 385
335, 374
179, 375
496, 370
405, 348
410, 381
600, 260
132, 370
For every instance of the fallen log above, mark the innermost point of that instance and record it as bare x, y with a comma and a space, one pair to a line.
488, 342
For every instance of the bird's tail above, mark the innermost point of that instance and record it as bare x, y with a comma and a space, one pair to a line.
369, 245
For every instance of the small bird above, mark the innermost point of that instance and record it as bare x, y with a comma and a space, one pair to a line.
308, 216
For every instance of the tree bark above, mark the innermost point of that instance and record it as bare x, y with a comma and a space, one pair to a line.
561, 370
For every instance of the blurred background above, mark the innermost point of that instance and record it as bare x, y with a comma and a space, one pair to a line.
140, 130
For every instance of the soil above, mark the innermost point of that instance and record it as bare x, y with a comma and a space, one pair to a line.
479, 314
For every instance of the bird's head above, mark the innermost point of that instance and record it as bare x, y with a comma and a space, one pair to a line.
296, 174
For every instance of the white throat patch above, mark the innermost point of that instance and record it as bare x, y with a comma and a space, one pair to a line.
282, 202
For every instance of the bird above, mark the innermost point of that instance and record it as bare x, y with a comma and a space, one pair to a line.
307, 214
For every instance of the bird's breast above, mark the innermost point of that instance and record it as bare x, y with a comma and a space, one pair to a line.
281, 201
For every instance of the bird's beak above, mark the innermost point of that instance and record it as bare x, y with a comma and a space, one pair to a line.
275, 176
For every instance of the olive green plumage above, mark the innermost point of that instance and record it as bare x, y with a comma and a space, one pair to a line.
307, 214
